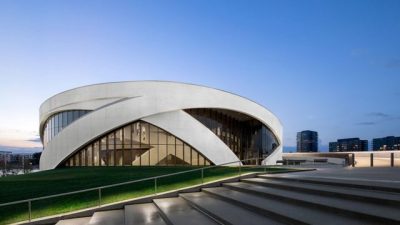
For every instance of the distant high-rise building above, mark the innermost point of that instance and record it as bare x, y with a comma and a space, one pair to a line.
307, 141
348, 145
386, 143
333, 147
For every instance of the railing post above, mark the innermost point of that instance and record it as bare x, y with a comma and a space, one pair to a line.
202, 175
372, 159
30, 210
99, 197
353, 163
392, 159
240, 169
155, 186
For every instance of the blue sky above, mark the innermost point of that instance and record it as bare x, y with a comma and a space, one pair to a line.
329, 66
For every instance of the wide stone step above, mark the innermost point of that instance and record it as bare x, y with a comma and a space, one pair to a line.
76, 221
226, 212
177, 211
283, 210
324, 189
143, 214
379, 213
111, 217
388, 186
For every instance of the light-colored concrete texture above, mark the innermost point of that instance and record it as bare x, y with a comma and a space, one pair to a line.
76, 221
285, 211
112, 217
143, 214
310, 160
380, 159
381, 175
183, 125
346, 192
329, 202
220, 209
178, 211
117, 104
362, 159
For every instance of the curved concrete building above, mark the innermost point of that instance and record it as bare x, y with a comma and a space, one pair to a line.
146, 123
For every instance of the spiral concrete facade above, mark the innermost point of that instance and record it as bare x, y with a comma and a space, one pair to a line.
74, 119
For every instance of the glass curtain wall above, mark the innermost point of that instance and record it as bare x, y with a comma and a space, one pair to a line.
247, 137
137, 144
59, 121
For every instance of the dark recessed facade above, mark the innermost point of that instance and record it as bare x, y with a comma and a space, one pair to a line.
348, 145
386, 143
307, 141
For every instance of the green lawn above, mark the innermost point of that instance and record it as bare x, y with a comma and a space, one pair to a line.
57, 181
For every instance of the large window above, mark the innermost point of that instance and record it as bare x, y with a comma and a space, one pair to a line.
247, 137
138, 144
59, 121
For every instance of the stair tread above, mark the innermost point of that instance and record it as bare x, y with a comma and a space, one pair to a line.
111, 217
230, 213
385, 185
75, 221
293, 211
324, 187
178, 211
141, 214
385, 211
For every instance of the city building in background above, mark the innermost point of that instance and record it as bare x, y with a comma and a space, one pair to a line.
307, 141
151, 123
386, 143
21, 158
348, 145
5, 156
18, 163
333, 147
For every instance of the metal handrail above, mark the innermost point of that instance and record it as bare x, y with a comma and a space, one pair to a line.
29, 201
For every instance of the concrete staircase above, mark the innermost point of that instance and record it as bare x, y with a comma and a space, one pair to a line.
265, 199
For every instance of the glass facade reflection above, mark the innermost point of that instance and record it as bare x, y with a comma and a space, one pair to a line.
246, 137
137, 144
59, 121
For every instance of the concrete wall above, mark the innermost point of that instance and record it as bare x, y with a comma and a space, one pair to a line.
159, 103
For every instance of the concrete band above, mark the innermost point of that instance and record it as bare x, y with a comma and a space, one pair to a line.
159, 103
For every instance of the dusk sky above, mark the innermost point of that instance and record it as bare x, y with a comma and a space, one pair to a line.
328, 66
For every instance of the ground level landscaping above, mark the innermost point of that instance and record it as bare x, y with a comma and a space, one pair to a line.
14, 188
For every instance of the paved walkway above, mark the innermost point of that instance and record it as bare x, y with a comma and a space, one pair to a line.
379, 173
384, 177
